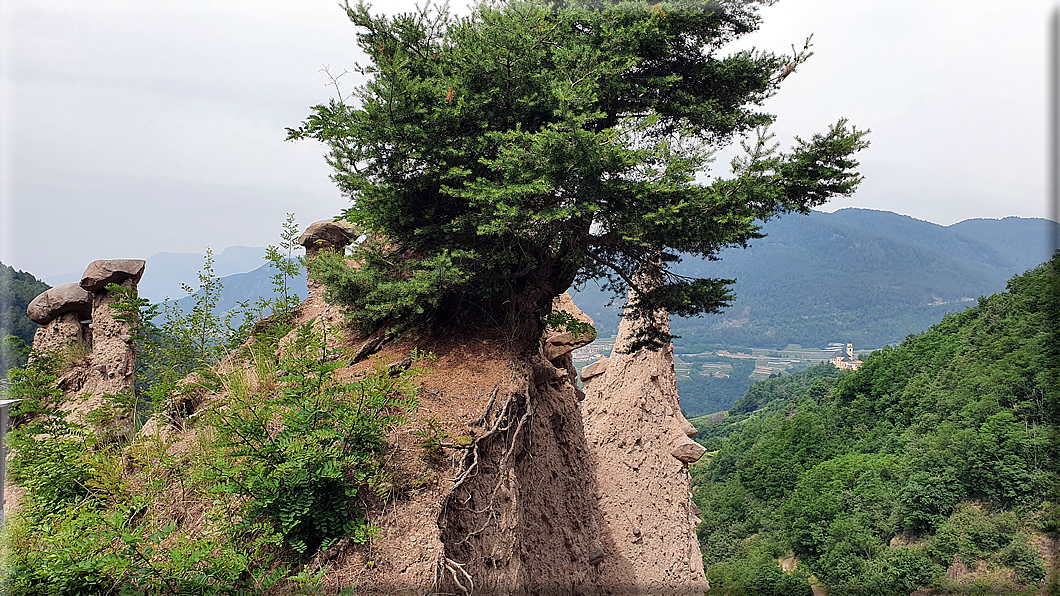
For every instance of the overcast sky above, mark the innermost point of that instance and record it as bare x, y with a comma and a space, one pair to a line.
132, 127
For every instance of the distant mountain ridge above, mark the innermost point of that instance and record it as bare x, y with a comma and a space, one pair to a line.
248, 287
871, 277
166, 271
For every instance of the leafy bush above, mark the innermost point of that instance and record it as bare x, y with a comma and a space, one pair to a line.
973, 534
52, 462
300, 458
927, 500
1024, 560
35, 385
756, 572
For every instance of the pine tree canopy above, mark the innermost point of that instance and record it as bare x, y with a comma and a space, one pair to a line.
497, 158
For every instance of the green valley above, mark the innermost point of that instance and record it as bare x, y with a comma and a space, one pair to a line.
855, 275
932, 466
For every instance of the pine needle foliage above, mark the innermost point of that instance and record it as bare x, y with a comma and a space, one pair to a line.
536, 144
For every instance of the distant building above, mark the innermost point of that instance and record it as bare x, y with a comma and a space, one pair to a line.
845, 359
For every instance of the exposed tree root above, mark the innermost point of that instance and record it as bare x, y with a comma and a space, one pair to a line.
506, 437
453, 568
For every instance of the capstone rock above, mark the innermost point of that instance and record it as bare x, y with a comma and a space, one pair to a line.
687, 450
559, 342
107, 271
60, 300
595, 369
328, 234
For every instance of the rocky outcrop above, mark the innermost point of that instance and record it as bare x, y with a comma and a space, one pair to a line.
523, 516
67, 298
113, 359
535, 493
103, 272
556, 498
559, 342
640, 447
325, 234
510, 506
80, 326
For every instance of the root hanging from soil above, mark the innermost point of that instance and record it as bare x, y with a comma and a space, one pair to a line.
522, 515
472, 503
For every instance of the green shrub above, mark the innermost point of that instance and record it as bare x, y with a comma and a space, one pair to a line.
35, 385
756, 572
1024, 560
299, 459
972, 534
927, 500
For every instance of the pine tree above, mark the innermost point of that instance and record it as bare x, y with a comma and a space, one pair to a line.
496, 159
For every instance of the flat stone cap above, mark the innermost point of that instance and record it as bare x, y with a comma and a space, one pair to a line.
113, 271
560, 341
687, 450
336, 234
60, 300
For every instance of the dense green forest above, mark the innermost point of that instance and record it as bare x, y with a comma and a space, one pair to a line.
934, 465
17, 289
701, 394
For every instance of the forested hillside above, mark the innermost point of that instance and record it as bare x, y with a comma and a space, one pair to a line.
17, 289
935, 465
868, 277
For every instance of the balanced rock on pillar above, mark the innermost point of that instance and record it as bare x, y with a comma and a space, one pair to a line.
102, 272
559, 342
108, 366
67, 298
328, 234
640, 450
